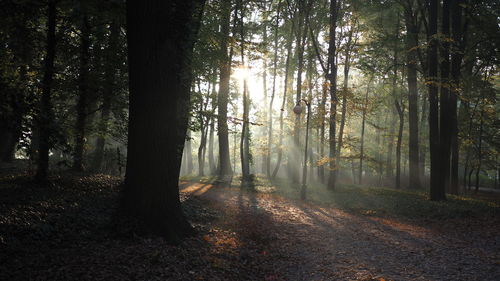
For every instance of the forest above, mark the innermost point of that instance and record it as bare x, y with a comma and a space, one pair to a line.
249, 140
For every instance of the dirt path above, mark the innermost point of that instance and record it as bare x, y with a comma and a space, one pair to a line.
299, 241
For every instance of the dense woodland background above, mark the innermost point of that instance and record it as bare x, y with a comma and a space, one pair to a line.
329, 122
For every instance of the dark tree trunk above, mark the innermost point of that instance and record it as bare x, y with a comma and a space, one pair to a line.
423, 147
159, 61
456, 61
222, 101
400, 110
211, 160
109, 92
188, 151
411, 63
45, 115
479, 149
245, 129
362, 146
333, 92
437, 191
444, 100
81, 107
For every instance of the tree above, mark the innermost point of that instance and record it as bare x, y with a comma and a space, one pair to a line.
83, 84
45, 110
160, 79
411, 64
225, 72
332, 75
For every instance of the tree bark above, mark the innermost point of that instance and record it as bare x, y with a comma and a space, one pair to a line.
45, 117
437, 191
283, 102
81, 107
400, 110
333, 92
411, 64
362, 145
159, 61
273, 93
222, 101
456, 61
444, 100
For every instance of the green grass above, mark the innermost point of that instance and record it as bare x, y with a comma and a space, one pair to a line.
381, 201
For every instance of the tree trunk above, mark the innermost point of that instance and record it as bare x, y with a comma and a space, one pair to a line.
211, 160
456, 61
160, 77
45, 116
362, 145
245, 129
301, 38
400, 109
222, 101
437, 191
411, 63
109, 92
344, 98
479, 149
273, 93
333, 92
444, 100
283, 103
81, 107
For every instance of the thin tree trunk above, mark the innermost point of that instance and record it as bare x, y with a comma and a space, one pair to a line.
273, 93
333, 92
362, 145
400, 110
45, 116
437, 191
479, 149
189, 155
245, 130
109, 90
456, 61
81, 107
283, 103
411, 62
444, 99
222, 101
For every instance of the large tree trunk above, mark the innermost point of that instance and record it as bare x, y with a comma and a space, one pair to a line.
333, 92
160, 77
81, 107
411, 62
45, 116
437, 191
109, 92
222, 101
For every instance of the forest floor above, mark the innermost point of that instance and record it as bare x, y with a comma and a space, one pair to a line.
256, 232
